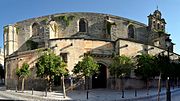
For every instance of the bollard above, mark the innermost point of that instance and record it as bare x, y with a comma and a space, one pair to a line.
135, 93
16, 89
32, 91
46, 93
122, 93
147, 91
87, 94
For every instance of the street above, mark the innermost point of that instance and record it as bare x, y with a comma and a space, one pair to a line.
94, 95
2, 97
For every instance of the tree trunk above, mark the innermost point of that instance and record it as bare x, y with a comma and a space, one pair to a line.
147, 85
177, 82
122, 85
22, 86
114, 80
88, 83
63, 86
18, 84
85, 83
159, 87
49, 84
87, 87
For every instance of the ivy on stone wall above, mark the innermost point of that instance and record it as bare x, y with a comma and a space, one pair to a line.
6, 29
17, 30
45, 20
65, 19
31, 45
158, 31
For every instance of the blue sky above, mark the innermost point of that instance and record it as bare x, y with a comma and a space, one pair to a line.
12, 11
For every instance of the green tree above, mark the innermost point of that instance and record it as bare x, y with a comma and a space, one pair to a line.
87, 67
168, 68
165, 67
146, 67
61, 71
1, 71
23, 72
50, 65
120, 67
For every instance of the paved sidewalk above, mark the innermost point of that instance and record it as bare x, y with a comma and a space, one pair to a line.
81, 95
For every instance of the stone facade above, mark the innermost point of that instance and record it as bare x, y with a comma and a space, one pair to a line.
75, 34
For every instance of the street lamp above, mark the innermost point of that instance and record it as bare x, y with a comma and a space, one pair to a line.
168, 92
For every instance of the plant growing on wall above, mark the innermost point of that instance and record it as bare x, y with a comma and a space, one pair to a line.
31, 45
65, 19
45, 20
17, 30
6, 29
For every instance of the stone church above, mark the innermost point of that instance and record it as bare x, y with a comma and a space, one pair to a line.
71, 35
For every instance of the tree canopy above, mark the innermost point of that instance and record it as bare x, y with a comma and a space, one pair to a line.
167, 67
87, 67
121, 66
146, 66
23, 71
50, 65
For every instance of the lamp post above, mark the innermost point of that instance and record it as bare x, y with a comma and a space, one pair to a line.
168, 91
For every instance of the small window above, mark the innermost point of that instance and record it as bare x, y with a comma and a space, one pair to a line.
130, 31
64, 57
83, 25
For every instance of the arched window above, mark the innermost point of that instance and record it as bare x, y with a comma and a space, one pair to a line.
35, 29
130, 31
83, 25
158, 26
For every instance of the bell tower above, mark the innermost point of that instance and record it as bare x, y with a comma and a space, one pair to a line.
156, 22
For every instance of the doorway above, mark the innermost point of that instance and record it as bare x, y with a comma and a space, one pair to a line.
99, 80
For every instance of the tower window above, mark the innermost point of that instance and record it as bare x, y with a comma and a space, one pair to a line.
130, 31
83, 25
162, 27
154, 24
158, 26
